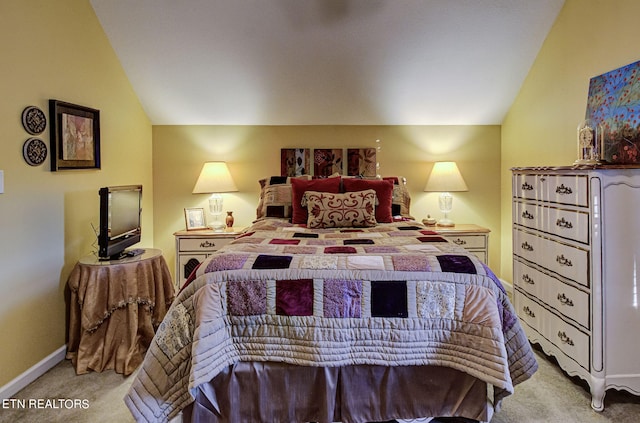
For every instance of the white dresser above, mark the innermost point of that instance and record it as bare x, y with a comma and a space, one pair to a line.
576, 251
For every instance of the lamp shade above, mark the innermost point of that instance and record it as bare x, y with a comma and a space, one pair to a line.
214, 178
445, 177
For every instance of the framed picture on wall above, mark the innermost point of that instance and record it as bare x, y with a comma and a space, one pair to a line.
74, 136
194, 218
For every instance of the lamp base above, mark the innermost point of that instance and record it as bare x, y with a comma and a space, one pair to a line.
445, 223
217, 226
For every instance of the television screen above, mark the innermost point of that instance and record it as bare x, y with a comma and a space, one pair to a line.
120, 220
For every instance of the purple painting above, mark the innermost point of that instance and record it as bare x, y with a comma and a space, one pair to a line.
614, 103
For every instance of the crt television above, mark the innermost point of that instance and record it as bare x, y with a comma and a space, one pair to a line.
120, 218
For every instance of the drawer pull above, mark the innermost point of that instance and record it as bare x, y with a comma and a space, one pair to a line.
562, 190
527, 279
565, 339
526, 246
564, 261
562, 223
527, 187
527, 215
207, 244
564, 300
459, 241
528, 312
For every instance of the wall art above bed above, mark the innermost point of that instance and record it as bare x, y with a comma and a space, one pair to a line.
295, 161
328, 161
361, 162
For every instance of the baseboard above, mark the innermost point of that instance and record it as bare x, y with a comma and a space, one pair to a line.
44, 365
507, 287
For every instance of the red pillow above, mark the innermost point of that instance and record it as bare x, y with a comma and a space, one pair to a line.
384, 193
298, 188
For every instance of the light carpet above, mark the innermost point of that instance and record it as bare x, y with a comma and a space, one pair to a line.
550, 396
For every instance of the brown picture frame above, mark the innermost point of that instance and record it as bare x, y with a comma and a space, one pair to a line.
74, 136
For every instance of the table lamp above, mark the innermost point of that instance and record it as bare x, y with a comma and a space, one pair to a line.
445, 178
215, 179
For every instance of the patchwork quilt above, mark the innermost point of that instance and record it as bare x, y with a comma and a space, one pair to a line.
395, 294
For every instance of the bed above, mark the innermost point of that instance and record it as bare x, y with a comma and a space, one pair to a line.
334, 306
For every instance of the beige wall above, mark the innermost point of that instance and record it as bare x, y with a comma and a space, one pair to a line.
56, 49
253, 152
589, 38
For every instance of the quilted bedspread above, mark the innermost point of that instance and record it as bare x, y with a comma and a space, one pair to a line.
393, 294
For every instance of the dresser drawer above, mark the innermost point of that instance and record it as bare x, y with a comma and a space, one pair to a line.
562, 259
566, 337
561, 189
565, 189
569, 339
566, 299
569, 224
529, 311
528, 279
527, 186
202, 244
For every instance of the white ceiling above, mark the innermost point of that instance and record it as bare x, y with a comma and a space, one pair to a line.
346, 62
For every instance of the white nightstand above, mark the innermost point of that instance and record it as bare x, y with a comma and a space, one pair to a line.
192, 247
473, 238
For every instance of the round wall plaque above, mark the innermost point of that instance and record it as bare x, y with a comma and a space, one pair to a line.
34, 151
33, 120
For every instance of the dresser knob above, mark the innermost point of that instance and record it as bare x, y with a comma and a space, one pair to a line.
564, 300
527, 215
565, 339
563, 261
459, 241
565, 224
526, 246
527, 279
528, 312
562, 190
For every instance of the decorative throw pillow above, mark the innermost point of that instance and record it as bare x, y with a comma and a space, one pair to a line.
351, 209
299, 187
384, 194
275, 196
401, 201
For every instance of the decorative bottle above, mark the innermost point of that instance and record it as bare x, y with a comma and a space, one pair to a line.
229, 219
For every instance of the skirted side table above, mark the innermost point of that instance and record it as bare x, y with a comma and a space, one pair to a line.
114, 310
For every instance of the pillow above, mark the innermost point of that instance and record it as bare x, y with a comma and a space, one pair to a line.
350, 209
275, 197
401, 200
384, 194
298, 188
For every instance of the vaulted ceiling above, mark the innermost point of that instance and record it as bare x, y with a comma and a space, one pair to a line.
303, 62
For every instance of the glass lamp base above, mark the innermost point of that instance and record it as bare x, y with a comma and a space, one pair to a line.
446, 222
215, 208
217, 224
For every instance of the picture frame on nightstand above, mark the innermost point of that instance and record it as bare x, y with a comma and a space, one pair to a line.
194, 218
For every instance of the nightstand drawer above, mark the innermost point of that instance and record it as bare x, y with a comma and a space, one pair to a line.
192, 247
468, 241
202, 244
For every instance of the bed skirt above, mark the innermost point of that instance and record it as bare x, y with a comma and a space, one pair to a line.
275, 392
